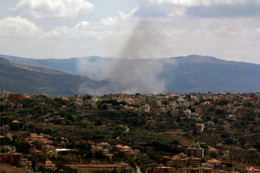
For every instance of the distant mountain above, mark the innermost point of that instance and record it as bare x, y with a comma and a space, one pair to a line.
29, 79
185, 74
202, 74
65, 65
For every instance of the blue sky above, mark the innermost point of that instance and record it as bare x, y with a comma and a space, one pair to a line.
227, 29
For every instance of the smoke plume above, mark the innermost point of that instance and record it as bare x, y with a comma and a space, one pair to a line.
137, 71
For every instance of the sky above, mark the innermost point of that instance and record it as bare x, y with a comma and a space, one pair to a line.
226, 29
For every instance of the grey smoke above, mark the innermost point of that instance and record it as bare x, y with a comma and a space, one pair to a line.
144, 42
137, 71
95, 67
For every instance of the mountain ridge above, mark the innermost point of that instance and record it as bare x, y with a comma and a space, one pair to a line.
28, 79
193, 73
25, 60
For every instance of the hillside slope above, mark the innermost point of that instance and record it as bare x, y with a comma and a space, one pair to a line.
28, 79
207, 74
185, 74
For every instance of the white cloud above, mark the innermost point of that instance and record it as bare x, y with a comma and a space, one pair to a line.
82, 25
18, 27
53, 8
201, 2
121, 20
230, 38
114, 26
175, 12
199, 8
227, 38
58, 32
111, 21
81, 31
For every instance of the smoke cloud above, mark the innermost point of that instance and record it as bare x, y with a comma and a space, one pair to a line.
138, 70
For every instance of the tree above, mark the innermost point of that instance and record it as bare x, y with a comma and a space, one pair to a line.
22, 147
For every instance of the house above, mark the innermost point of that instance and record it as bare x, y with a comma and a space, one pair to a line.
16, 121
44, 94
226, 153
251, 169
206, 170
79, 102
193, 170
206, 103
146, 108
49, 164
214, 163
180, 161
8, 148
36, 151
15, 158
25, 163
15, 97
196, 152
104, 145
213, 150
199, 128
96, 149
126, 149
105, 151
252, 151
163, 169
195, 162
12, 158
119, 146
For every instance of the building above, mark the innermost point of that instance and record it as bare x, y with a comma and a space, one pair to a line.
126, 149
196, 152
15, 97
206, 170
213, 150
195, 162
126, 168
251, 169
193, 170
163, 169
146, 108
13, 158
178, 162
252, 151
4, 157
214, 164
24, 162
185, 162
199, 128
49, 164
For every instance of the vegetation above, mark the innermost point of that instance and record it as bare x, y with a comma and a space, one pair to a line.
153, 126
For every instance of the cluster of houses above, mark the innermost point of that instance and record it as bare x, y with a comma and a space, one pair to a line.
182, 163
42, 145
194, 169
192, 106
190, 161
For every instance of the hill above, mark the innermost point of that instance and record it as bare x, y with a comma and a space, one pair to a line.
207, 74
185, 74
29, 79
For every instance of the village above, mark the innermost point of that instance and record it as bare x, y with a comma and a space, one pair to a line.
193, 133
